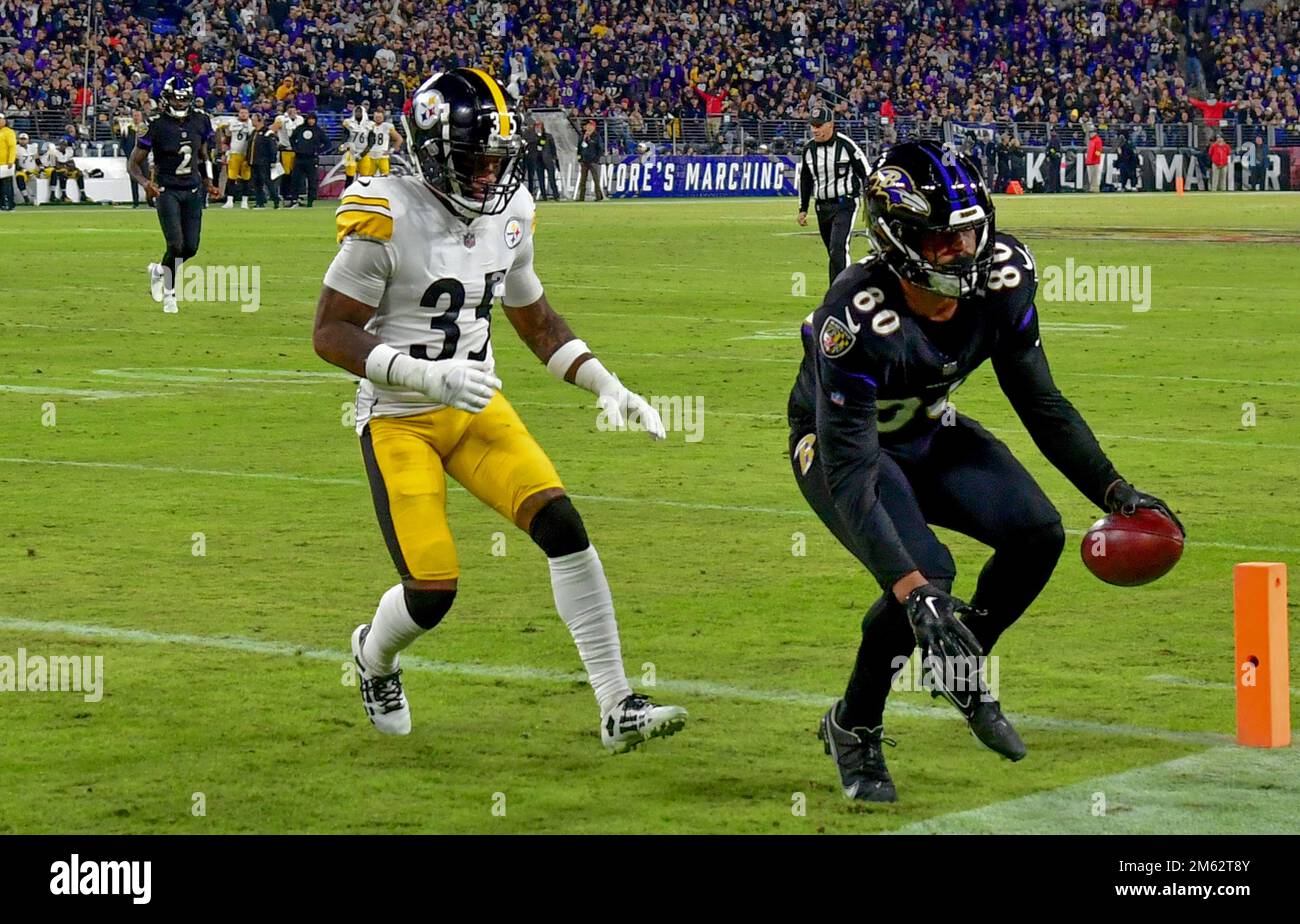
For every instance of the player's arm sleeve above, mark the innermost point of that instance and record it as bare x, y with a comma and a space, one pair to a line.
805, 182
360, 270
1057, 429
850, 449
522, 287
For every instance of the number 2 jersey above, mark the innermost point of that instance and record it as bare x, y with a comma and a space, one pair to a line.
175, 145
431, 277
877, 377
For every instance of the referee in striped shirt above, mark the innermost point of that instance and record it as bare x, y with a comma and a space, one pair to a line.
833, 169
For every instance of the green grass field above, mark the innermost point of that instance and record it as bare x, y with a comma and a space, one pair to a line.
223, 672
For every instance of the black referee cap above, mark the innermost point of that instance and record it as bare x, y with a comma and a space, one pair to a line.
820, 115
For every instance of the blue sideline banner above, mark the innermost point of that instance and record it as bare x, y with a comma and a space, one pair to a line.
681, 175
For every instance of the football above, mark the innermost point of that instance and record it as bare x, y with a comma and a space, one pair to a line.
1132, 550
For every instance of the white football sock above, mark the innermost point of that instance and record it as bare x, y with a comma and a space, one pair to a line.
391, 630
584, 602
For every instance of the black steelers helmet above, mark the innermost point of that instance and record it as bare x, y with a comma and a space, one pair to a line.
920, 188
464, 140
177, 96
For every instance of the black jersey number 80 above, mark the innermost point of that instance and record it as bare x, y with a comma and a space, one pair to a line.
446, 322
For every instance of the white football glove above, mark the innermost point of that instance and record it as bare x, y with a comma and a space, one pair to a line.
624, 407
467, 385
460, 383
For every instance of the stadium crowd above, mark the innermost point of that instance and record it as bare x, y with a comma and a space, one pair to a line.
649, 60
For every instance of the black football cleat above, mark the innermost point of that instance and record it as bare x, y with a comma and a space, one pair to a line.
991, 728
859, 758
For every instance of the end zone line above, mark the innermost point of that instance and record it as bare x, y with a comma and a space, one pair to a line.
701, 688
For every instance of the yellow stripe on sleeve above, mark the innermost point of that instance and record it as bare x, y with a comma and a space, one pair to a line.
367, 225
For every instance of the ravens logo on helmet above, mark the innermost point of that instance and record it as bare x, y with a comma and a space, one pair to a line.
919, 189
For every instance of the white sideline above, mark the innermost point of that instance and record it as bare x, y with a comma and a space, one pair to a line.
702, 688
596, 498
1175, 680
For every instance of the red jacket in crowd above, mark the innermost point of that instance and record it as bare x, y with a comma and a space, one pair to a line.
1212, 113
1093, 157
712, 102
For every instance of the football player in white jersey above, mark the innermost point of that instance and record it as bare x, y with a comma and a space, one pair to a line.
238, 169
384, 140
284, 126
356, 146
406, 305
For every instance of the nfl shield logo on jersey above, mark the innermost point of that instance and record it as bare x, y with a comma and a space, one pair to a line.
837, 339
514, 233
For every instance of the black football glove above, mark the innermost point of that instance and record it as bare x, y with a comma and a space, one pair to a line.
950, 652
1122, 497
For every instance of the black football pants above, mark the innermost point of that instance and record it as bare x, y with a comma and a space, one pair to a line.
960, 478
835, 221
180, 212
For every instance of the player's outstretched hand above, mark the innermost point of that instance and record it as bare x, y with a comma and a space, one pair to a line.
1122, 497
933, 615
461, 383
621, 406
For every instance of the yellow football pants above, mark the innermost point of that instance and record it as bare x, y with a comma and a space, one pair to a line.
407, 460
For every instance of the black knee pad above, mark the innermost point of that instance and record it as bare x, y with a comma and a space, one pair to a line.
427, 607
557, 529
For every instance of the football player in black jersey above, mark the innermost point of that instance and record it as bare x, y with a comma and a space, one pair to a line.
881, 456
178, 140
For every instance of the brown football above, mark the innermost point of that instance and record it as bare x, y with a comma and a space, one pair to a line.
1132, 550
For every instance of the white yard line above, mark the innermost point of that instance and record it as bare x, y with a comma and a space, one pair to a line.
1174, 680
700, 688
597, 498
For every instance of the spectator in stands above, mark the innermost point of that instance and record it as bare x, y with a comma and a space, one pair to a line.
1092, 160
1052, 162
1259, 172
8, 164
550, 159
1128, 164
308, 141
127, 133
1220, 159
264, 156
590, 151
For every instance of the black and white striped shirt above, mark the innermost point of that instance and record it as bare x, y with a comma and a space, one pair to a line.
831, 170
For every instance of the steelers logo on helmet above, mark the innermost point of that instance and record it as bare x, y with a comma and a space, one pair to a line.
428, 107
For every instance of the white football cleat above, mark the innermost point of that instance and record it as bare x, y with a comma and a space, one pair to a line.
381, 694
169, 304
156, 279
230, 204
635, 719
244, 204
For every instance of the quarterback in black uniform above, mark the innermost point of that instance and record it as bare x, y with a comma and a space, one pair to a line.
880, 455
178, 140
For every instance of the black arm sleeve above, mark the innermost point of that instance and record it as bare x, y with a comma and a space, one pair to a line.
805, 182
850, 452
1058, 430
